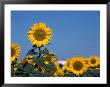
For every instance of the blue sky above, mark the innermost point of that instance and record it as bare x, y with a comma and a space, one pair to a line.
74, 32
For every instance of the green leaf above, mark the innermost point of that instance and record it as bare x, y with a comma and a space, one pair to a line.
42, 52
12, 71
28, 68
32, 52
19, 66
42, 58
93, 73
29, 52
46, 74
35, 73
38, 61
46, 51
19, 72
50, 67
36, 53
31, 75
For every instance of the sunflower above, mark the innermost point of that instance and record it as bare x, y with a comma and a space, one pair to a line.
76, 65
94, 61
15, 51
39, 34
49, 58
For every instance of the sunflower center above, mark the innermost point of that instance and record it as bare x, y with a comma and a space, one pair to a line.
93, 61
12, 52
77, 65
39, 35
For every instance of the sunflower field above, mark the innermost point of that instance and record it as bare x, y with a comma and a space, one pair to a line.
40, 62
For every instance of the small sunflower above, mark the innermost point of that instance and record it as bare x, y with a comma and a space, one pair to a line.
94, 61
15, 51
76, 65
49, 58
39, 34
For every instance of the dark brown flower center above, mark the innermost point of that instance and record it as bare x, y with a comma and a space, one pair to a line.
39, 35
77, 65
93, 61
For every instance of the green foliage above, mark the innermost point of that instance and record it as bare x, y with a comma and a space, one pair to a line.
28, 68
35, 73
92, 73
31, 52
44, 51
38, 68
50, 67
38, 61
69, 74
19, 66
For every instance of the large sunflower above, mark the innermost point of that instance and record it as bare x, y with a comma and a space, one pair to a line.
94, 61
39, 34
76, 65
15, 51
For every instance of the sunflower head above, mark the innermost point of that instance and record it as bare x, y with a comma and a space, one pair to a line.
75, 65
94, 61
39, 34
15, 51
49, 58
